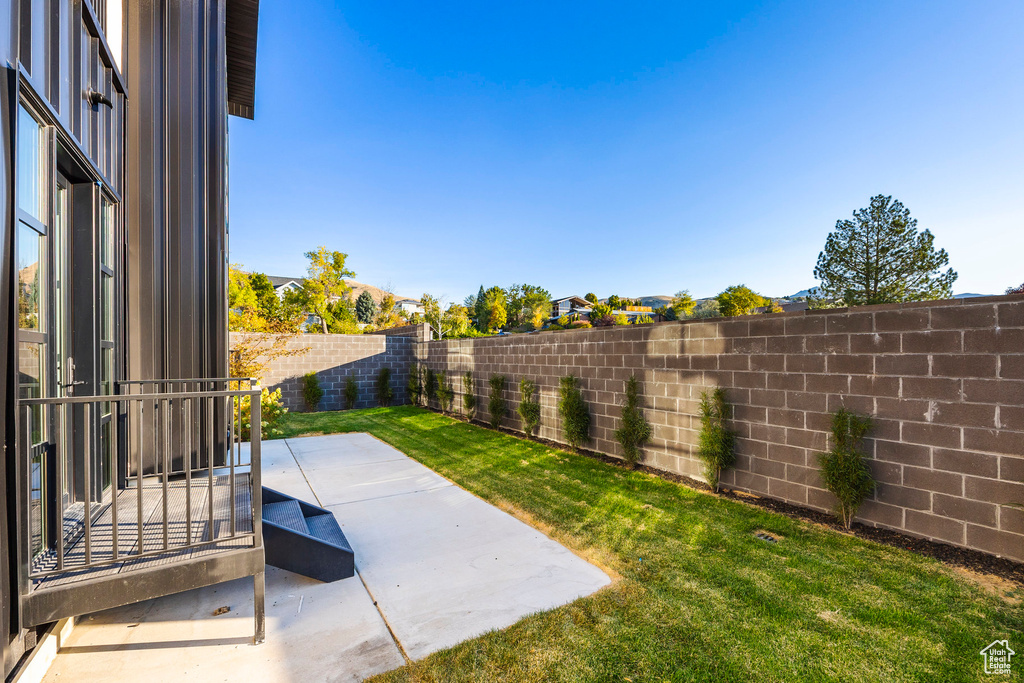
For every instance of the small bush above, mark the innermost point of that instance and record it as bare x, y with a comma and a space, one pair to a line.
496, 404
635, 430
644, 319
844, 469
430, 386
415, 384
445, 392
602, 321
312, 392
574, 411
706, 309
621, 319
271, 410
563, 321
529, 407
581, 324
468, 397
384, 392
716, 443
351, 392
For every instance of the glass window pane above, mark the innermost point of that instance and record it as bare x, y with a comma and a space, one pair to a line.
30, 154
31, 248
107, 308
31, 383
106, 377
107, 235
106, 371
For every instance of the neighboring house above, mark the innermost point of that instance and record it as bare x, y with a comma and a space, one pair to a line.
114, 193
569, 305
283, 285
409, 306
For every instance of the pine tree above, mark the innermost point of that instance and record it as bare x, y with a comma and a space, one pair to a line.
880, 257
480, 310
365, 307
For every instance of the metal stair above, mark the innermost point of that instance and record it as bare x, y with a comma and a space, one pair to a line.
304, 539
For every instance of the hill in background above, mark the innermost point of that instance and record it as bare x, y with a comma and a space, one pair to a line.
377, 293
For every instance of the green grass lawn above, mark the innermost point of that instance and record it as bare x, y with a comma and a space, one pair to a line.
695, 597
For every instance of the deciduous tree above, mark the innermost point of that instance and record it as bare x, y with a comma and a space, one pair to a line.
739, 300
388, 315
528, 305
325, 283
682, 304
491, 310
251, 354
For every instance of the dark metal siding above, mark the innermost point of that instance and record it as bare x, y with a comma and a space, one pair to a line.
169, 172
177, 325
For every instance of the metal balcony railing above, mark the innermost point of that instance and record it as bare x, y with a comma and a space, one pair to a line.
157, 473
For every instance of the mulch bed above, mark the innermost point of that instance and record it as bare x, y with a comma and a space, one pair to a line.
974, 560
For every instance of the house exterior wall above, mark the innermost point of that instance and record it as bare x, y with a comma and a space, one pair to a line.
167, 58
944, 382
177, 183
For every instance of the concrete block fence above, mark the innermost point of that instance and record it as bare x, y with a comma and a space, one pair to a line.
944, 382
335, 357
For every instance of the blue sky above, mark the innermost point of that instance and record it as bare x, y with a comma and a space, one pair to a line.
626, 148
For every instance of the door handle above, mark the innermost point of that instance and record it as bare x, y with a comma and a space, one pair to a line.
73, 384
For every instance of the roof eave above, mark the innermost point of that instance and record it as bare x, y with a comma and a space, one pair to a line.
241, 27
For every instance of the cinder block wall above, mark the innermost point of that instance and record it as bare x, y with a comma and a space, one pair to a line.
943, 380
336, 356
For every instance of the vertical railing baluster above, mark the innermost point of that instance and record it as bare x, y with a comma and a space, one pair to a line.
63, 410
186, 410
209, 461
255, 468
231, 457
138, 471
26, 444
87, 475
115, 420
25, 456
165, 480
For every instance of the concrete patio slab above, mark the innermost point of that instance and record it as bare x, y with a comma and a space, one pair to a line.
288, 480
440, 564
347, 484
324, 455
444, 566
315, 632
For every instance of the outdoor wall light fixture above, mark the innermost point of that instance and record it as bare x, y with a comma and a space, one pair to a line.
96, 97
